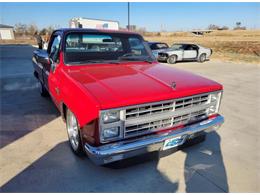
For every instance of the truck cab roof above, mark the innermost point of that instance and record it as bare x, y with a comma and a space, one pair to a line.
68, 30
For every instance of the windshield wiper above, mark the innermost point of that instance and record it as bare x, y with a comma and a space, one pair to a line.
133, 57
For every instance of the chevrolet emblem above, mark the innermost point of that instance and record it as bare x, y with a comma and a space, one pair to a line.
173, 85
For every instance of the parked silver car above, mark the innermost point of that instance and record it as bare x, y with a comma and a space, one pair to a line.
184, 52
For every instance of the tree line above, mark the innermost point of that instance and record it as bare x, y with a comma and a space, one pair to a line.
217, 27
21, 29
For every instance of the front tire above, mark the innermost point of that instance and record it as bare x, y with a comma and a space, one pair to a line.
172, 59
202, 58
74, 133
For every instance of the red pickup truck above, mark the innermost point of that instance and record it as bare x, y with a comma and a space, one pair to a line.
117, 100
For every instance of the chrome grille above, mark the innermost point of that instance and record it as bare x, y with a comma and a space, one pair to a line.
190, 102
147, 118
149, 109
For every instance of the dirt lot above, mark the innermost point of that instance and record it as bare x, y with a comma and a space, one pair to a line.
241, 46
35, 156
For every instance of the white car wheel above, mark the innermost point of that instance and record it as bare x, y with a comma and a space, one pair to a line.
172, 59
202, 58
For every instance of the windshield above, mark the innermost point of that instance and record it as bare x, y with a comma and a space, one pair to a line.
158, 46
104, 47
177, 46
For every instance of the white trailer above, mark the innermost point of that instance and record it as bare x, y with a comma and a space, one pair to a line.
93, 23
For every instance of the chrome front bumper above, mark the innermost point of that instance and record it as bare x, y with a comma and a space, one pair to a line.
125, 149
160, 58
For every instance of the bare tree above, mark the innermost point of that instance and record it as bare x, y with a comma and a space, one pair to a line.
20, 29
238, 24
141, 30
239, 27
47, 30
213, 27
31, 29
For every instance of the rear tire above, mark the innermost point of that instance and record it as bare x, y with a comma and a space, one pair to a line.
43, 90
172, 59
74, 133
202, 58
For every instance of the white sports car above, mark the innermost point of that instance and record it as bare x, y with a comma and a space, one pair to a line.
184, 52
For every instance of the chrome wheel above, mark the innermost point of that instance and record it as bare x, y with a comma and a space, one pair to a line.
172, 59
73, 131
202, 58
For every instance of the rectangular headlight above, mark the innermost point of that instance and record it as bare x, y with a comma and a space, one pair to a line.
111, 125
110, 116
215, 103
111, 132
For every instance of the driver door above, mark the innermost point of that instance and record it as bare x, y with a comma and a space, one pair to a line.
53, 75
190, 52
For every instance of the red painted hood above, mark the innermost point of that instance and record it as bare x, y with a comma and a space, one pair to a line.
116, 85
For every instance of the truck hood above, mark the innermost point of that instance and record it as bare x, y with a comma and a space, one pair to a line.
117, 85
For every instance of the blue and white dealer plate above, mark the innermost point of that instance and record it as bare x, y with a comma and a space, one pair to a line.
173, 142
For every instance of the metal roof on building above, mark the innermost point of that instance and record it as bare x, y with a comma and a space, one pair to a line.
5, 26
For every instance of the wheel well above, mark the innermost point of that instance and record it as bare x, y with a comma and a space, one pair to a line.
63, 111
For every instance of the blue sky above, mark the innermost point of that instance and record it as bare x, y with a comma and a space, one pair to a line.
171, 16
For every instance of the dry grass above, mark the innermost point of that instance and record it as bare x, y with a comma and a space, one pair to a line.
237, 46
241, 46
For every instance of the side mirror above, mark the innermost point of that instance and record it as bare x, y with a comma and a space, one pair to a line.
47, 60
43, 57
53, 66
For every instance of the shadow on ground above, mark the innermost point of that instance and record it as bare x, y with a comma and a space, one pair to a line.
184, 61
22, 108
205, 160
61, 171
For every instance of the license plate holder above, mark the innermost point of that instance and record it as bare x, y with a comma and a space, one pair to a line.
173, 142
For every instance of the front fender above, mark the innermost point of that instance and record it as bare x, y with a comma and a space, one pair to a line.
84, 106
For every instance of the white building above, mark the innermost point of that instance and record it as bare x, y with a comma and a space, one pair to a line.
93, 23
6, 32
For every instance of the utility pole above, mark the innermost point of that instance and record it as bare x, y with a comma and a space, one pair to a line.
128, 5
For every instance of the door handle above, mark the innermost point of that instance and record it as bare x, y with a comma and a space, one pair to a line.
57, 90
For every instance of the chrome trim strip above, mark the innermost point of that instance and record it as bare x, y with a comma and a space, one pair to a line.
41, 67
38, 64
129, 148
